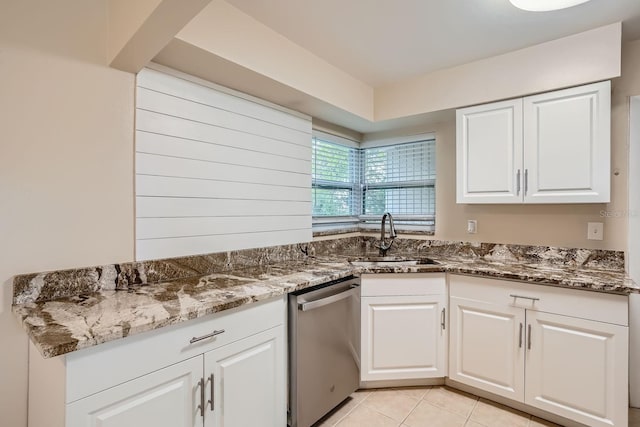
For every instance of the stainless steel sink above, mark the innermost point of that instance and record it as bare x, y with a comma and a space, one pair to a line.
390, 261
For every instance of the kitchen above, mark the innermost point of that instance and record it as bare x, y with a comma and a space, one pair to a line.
69, 188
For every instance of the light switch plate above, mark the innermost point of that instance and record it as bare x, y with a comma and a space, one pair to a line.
472, 226
595, 230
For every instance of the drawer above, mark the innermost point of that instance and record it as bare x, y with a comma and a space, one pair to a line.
579, 303
393, 284
106, 365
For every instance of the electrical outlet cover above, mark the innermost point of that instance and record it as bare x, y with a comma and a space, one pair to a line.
595, 230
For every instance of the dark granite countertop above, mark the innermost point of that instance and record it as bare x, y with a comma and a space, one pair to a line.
65, 324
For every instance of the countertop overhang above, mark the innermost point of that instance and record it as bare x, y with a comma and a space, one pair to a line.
64, 325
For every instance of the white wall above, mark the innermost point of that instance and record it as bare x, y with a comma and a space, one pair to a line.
547, 224
125, 18
634, 189
219, 45
633, 254
557, 225
66, 165
581, 58
66, 159
223, 30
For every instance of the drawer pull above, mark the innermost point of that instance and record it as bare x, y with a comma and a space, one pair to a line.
211, 378
442, 319
520, 340
529, 337
204, 337
201, 406
524, 297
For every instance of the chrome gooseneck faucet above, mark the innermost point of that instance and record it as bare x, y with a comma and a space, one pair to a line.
384, 246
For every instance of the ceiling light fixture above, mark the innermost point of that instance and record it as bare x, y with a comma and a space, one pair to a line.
545, 5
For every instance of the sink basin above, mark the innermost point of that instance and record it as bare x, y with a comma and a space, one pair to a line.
390, 261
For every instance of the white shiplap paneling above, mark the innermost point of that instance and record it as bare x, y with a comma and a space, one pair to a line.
159, 248
147, 142
216, 171
163, 207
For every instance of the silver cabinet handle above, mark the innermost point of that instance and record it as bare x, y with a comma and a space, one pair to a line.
520, 340
524, 297
201, 406
210, 402
204, 337
526, 181
310, 305
442, 318
518, 183
529, 337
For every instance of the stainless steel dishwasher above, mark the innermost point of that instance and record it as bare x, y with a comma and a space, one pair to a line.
324, 348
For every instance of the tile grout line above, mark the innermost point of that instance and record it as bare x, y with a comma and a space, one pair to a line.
414, 408
387, 416
472, 409
451, 411
351, 410
423, 398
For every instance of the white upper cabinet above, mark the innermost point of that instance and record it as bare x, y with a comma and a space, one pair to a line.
489, 153
567, 147
548, 148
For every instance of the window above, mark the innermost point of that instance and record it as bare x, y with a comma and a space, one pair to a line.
335, 172
400, 179
357, 185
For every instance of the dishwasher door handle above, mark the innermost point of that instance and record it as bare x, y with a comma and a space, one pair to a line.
310, 305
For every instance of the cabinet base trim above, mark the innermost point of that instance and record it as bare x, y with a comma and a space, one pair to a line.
512, 404
401, 383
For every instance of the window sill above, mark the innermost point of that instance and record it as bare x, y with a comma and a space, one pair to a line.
354, 229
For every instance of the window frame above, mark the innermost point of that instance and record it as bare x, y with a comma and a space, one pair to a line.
361, 221
353, 185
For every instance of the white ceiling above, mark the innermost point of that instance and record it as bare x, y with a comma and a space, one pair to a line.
383, 41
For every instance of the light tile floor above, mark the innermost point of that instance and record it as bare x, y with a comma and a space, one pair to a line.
437, 406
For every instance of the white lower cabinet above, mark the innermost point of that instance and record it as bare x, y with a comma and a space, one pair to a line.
562, 351
224, 370
247, 382
576, 368
486, 347
403, 322
165, 398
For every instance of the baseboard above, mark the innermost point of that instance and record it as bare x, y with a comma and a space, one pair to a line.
401, 383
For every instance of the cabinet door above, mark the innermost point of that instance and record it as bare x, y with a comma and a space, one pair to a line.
486, 347
403, 337
567, 145
489, 153
169, 397
577, 368
249, 382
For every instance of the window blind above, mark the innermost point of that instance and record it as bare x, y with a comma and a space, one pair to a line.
335, 170
359, 185
400, 179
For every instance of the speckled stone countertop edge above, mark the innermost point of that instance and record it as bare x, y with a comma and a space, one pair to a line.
56, 328
61, 326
